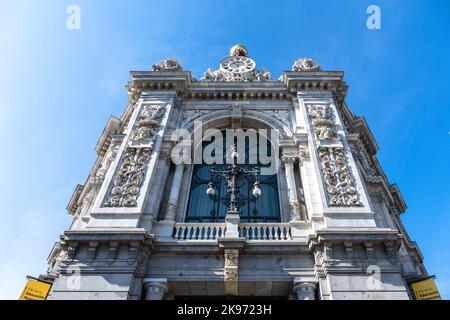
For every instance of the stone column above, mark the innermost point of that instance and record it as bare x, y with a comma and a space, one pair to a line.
292, 190
305, 290
155, 289
174, 193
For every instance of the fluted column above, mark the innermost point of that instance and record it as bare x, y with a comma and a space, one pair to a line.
305, 290
155, 289
174, 193
292, 190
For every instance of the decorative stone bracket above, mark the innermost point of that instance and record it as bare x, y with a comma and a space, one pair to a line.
139, 244
231, 266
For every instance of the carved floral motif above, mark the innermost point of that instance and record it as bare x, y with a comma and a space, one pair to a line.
147, 126
219, 75
128, 179
323, 122
339, 182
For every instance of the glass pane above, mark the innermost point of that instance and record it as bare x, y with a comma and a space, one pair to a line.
201, 208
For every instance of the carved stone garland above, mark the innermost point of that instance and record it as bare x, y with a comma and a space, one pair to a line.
129, 178
218, 75
340, 184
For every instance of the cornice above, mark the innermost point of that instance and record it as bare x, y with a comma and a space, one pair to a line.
112, 126
122, 236
72, 206
186, 86
332, 81
356, 236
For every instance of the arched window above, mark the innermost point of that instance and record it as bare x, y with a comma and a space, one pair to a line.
202, 208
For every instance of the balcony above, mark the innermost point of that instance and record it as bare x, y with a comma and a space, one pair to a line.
251, 231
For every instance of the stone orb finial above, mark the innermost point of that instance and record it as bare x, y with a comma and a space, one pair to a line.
238, 50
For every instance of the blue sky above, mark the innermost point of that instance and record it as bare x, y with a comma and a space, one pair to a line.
58, 87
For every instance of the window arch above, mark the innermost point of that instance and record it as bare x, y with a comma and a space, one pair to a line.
202, 208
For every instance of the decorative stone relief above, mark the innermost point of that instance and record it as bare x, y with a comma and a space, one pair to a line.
391, 251
348, 246
305, 64
128, 179
132, 253
303, 154
324, 255
219, 75
366, 165
112, 251
294, 206
168, 65
339, 182
71, 251
148, 125
109, 157
323, 123
370, 250
337, 177
92, 250
171, 211
231, 265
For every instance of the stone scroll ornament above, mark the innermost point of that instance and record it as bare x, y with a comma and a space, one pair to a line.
129, 177
339, 182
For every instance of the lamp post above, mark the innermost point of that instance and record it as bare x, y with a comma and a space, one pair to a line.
232, 174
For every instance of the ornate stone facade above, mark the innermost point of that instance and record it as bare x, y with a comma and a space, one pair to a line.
339, 181
339, 226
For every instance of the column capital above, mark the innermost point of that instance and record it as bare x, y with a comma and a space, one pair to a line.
288, 160
155, 288
305, 289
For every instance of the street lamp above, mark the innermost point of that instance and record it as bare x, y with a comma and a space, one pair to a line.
256, 190
210, 191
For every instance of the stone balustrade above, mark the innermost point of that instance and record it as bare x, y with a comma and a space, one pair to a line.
213, 231
265, 231
199, 231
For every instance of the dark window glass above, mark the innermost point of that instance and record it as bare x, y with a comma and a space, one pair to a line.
201, 208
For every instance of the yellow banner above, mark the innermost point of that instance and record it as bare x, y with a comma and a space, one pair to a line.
35, 290
426, 290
